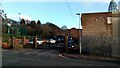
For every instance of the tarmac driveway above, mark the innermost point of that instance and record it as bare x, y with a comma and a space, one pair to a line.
44, 57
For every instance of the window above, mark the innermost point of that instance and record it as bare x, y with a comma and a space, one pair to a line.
109, 20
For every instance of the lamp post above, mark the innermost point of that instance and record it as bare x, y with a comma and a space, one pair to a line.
19, 25
19, 17
79, 33
8, 25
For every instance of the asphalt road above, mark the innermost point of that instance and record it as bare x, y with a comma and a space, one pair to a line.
44, 57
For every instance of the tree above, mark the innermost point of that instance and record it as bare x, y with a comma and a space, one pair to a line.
34, 28
22, 22
23, 29
38, 26
32, 24
55, 30
38, 22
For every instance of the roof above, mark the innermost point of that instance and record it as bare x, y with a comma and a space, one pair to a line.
97, 13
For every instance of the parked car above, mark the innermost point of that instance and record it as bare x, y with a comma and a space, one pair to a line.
59, 39
72, 43
52, 41
39, 41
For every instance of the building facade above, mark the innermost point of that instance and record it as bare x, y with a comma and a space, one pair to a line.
113, 7
119, 6
100, 33
97, 24
97, 33
73, 32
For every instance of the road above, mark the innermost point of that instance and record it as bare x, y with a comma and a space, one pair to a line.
44, 57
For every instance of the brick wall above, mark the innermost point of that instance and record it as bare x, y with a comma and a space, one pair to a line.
96, 24
75, 32
19, 41
97, 33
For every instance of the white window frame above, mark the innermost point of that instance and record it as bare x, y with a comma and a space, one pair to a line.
109, 20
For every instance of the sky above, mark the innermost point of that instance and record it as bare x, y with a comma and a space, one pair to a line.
59, 13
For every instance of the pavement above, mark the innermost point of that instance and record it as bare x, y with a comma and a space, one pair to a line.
92, 58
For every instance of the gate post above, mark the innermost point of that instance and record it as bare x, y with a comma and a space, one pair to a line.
66, 43
35, 42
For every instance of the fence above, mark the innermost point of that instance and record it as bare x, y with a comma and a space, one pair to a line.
17, 41
98, 45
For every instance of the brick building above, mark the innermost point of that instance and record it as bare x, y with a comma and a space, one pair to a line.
100, 33
97, 33
73, 32
97, 23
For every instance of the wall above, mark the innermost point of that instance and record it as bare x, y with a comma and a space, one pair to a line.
97, 33
116, 34
74, 32
96, 24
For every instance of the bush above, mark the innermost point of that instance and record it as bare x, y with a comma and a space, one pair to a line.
18, 36
5, 38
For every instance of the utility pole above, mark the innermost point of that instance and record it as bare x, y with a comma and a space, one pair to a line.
79, 33
19, 17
